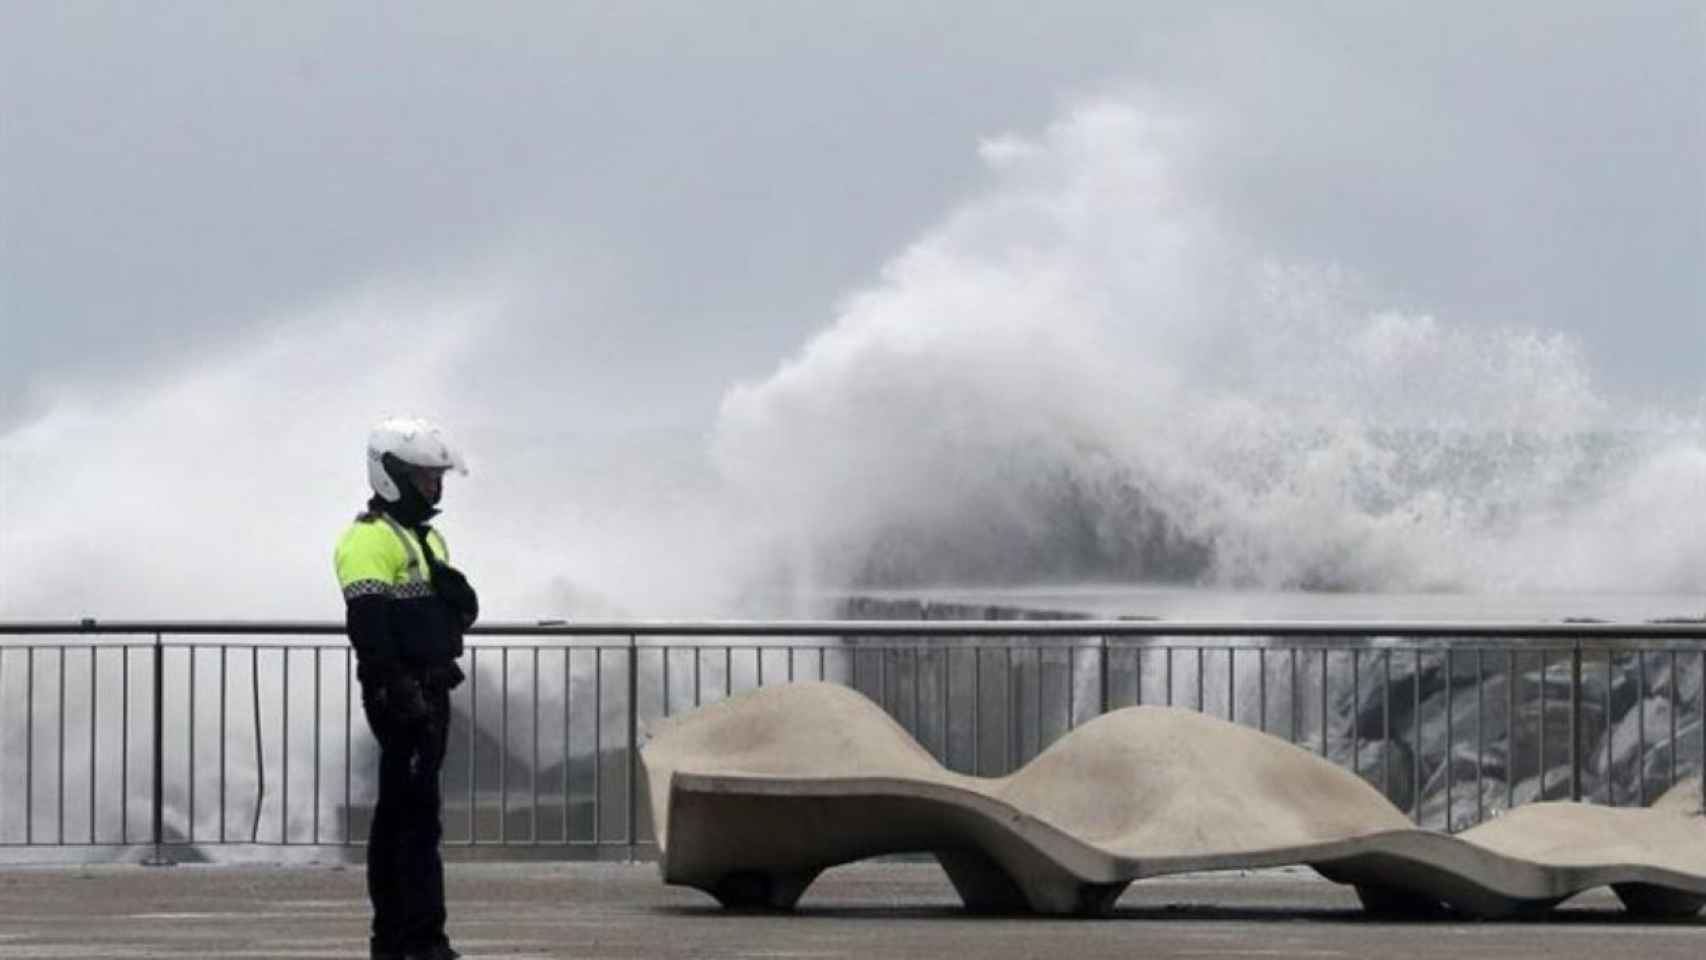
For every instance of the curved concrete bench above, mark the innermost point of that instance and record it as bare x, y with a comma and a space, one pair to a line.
754, 796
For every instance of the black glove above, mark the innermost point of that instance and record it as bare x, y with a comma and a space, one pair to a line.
453, 588
402, 700
446, 677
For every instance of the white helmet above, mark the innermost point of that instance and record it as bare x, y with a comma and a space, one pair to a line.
413, 442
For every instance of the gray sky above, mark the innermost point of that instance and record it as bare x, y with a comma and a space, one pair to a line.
625, 209
175, 176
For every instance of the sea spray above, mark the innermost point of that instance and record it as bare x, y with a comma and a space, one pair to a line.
1087, 373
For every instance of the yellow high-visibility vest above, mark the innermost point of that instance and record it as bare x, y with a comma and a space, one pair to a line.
382, 557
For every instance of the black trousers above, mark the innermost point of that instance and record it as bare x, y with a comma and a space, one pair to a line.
405, 875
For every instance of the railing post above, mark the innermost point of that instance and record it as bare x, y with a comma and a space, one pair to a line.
633, 746
1102, 668
1575, 722
158, 858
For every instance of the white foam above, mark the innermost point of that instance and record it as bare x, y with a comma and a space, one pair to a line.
1087, 373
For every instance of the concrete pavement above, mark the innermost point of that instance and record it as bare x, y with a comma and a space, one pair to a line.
585, 910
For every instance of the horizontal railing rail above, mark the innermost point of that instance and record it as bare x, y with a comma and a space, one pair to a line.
1690, 631
224, 733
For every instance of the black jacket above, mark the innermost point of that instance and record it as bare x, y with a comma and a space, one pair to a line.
411, 630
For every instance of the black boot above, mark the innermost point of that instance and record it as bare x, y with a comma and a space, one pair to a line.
442, 951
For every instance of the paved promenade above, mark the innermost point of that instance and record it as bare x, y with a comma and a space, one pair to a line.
537, 911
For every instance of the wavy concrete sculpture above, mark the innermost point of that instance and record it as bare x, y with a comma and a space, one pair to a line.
752, 797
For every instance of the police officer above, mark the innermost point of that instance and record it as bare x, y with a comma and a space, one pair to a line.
405, 610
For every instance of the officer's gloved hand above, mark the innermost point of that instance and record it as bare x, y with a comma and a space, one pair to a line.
404, 702
447, 677
457, 593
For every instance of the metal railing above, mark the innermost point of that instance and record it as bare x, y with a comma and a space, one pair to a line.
245, 733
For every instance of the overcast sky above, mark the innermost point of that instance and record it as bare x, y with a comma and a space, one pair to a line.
175, 176
662, 200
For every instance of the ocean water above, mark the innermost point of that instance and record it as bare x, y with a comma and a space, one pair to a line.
1201, 603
